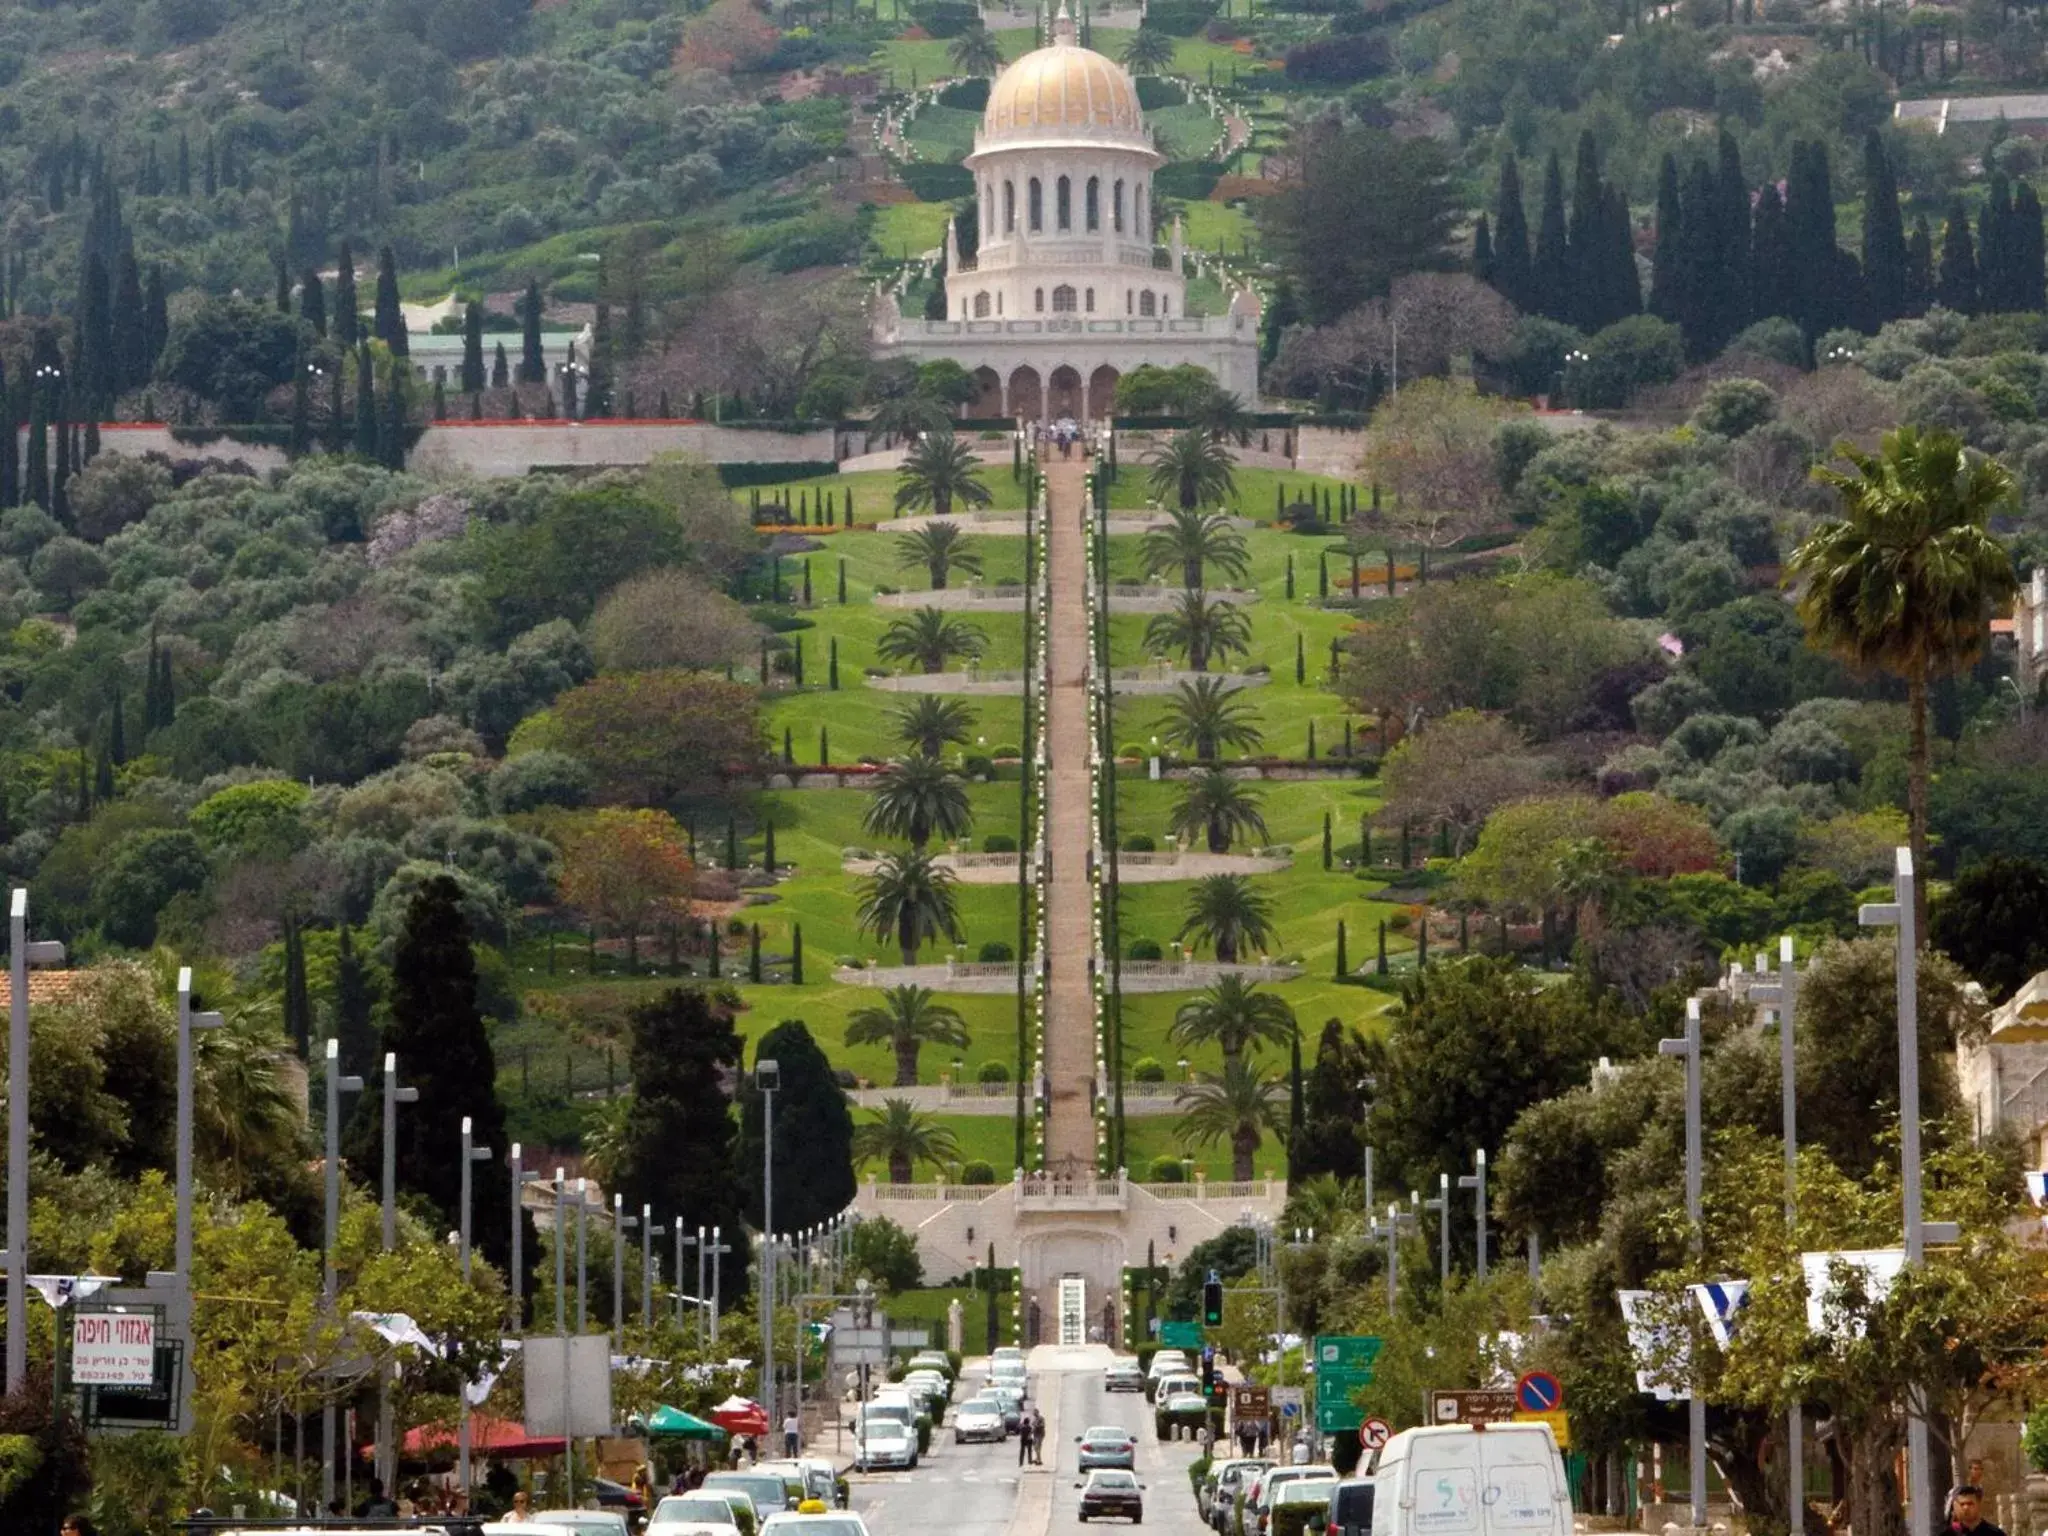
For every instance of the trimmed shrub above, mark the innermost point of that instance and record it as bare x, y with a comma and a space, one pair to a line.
1167, 1170
977, 1172
1143, 949
1139, 842
999, 842
1148, 1069
992, 1072
996, 952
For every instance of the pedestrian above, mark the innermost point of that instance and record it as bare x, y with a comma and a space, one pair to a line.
792, 1433
377, 1506
1024, 1434
1038, 1440
522, 1509
1966, 1513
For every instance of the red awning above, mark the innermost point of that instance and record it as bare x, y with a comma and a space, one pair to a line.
487, 1437
741, 1416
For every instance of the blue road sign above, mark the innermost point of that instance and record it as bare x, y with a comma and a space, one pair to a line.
1538, 1392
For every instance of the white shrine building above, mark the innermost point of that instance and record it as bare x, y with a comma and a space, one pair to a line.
1068, 290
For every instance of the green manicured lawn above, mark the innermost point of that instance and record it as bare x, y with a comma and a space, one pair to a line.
910, 229
943, 135
1185, 132
1148, 1137
1212, 226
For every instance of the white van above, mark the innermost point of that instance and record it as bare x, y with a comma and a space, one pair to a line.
1471, 1480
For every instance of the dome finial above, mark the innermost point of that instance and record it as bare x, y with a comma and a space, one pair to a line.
1063, 25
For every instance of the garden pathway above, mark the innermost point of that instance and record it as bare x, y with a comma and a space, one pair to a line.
1070, 904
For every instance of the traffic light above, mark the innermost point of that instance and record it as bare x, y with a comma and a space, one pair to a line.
1212, 1301
1208, 1370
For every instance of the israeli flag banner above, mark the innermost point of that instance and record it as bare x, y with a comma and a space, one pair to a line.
1722, 1301
2037, 1187
1653, 1341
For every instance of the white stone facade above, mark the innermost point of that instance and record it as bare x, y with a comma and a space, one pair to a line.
1068, 289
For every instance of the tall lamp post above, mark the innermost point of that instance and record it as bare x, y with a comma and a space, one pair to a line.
648, 1233
337, 1085
187, 1022
767, 1078
1898, 913
688, 1239
717, 1250
471, 1154
520, 1179
1441, 1205
1476, 1182
387, 1456
21, 955
1783, 995
1687, 1047
620, 1221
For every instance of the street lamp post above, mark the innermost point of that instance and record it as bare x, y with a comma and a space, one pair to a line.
337, 1085
688, 1239
520, 1179
648, 1233
1442, 1206
1396, 1220
582, 1254
1784, 996
620, 1221
21, 955
187, 1022
1687, 1047
387, 1458
471, 1153
1476, 1182
1898, 913
718, 1250
562, 1324
767, 1078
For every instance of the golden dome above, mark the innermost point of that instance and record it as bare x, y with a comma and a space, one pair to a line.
1059, 90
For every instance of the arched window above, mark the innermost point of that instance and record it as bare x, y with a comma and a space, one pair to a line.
1063, 300
1038, 300
1009, 207
1092, 204
1165, 305
1063, 202
1037, 198
1147, 304
981, 306
1127, 301
1091, 301
1116, 206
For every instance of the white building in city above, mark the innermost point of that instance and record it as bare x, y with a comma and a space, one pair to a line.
1071, 286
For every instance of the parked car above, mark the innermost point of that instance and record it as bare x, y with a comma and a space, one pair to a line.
611, 1495
883, 1443
1012, 1399
585, 1522
1350, 1508
1258, 1515
1301, 1508
1517, 1465
1112, 1492
1123, 1376
1167, 1362
1219, 1489
979, 1418
798, 1523
1107, 1445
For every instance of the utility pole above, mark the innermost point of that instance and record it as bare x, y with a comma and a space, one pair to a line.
21, 955
187, 1022
520, 1179
562, 1326
716, 1251
1687, 1047
1784, 997
1442, 1206
1899, 913
620, 1221
387, 1456
471, 1154
687, 1239
648, 1233
767, 1078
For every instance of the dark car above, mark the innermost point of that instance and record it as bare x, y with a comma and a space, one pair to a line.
1351, 1508
611, 1495
1113, 1493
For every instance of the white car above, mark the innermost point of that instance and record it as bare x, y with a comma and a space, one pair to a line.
842, 1522
1168, 1362
696, 1514
979, 1418
585, 1522
884, 1444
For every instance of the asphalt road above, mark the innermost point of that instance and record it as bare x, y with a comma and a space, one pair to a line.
979, 1490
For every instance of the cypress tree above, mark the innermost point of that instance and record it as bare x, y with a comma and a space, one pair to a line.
1511, 275
355, 1002
501, 368
1884, 233
597, 394
184, 164
569, 390
347, 322
156, 314
1666, 287
1810, 222
1587, 305
1623, 289
117, 733
389, 323
1770, 256
1550, 272
1957, 286
2030, 280
10, 444
1731, 242
1992, 266
302, 408
337, 417
283, 274
313, 301
1482, 252
297, 1026
39, 447
103, 776
473, 348
166, 694
533, 368
796, 955
366, 403
92, 348
391, 428
1697, 316
131, 365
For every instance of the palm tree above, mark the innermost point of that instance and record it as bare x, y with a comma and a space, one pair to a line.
1204, 715
940, 549
1219, 808
907, 1018
976, 52
901, 1137
1229, 915
928, 724
1192, 470
1223, 416
1236, 1016
917, 799
245, 1114
1907, 580
1238, 1105
938, 470
909, 900
908, 416
1199, 629
1321, 1204
1148, 52
929, 637
1192, 540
